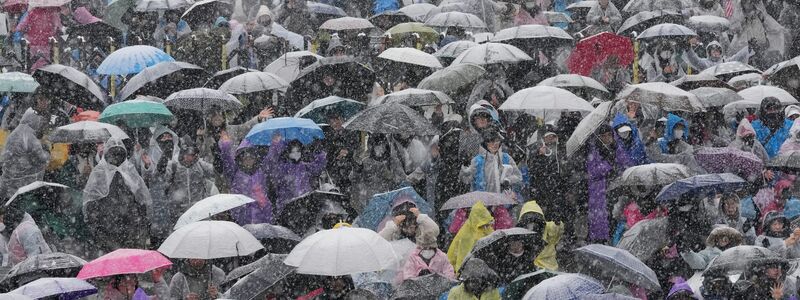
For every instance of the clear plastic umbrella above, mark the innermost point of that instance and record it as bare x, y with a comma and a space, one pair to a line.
716, 97
86, 132
289, 65
757, 93
666, 30
467, 21
663, 95
252, 82
453, 49
346, 23
545, 99
586, 128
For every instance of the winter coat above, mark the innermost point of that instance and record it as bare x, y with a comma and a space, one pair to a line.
290, 179
339, 168
25, 241
551, 236
252, 185
375, 176
195, 281
40, 25
745, 129
628, 154
792, 142
595, 16
704, 63
23, 158
209, 146
187, 185
772, 142
487, 172
415, 264
599, 170
425, 225
478, 225
546, 175
740, 223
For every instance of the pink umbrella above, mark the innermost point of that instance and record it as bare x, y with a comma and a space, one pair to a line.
124, 261
15, 6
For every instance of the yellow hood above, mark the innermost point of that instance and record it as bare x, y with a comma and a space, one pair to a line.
474, 229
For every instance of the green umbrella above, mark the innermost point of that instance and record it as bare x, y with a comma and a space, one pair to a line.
399, 31
16, 82
115, 10
137, 113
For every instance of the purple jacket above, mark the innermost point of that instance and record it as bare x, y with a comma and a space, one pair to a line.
251, 185
291, 179
599, 169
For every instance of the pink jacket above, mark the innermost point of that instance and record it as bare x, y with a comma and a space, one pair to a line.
439, 265
502, 219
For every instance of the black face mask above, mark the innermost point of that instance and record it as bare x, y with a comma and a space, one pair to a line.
773, 119
166, 147
115, 156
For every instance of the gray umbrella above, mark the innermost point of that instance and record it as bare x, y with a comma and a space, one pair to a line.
634, 6
62, 79
347, 23
789, 162
269, 231
268, 271
646, 19
252, 82
709, 23
666, 30
418, 11
151, 76
557, 17
391, 118
454, 49
423, 287
415, 97
54, 264
586, 128
645, 238
735, 259
690, 82
202, 99
467, 21
656, 174
547, 35
86, 132
716, 97
489, 247
452, 78
469, 199
575, 83
618, 263
663, 95
728, 70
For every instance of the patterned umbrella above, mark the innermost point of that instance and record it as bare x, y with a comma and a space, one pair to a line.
391, 118
202, 99
732, 160
701, 185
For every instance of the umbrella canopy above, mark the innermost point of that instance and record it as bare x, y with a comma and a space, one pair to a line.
736, 259
410, 56
545, 35
492, 53
325, 9
46, 3
401, 30
210, 206
159, 5
454, 49
220, 77
557, 17
588, 125
663, 95
319, 109
758, 93
14, 296
124, 261
666, 30
729, 160
645, 238
64, 288
202, 99
115, 10
728, 70
418, 11
487, 248
716, 97
594, 50
268, 271
467, 21
132, 60
289, 65
94, 29
744, 81
430, 286
32, 187
356, 250
657, 174
789, 162
391, 118
708, 23
581, 8
303, 130
545, 99
54, 264
646, 19
691, 82
452, 78
16, 82
269, 231
415, 97
346, 23
380, 207
301, 212
252, 82
564, 287
619, 263
137, 113
517, 288
574, 82
469, 199
201, 7
360, 79
71, 85
210, 240
163, 79
390, 18
645, 5
86, 132
701, 185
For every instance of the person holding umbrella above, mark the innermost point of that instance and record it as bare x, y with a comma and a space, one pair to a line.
771, 128
663, 67
600, 168
720, 239
603, 16
378, 170
196, 280
746, 140
769, 279
248, 176
186, 177
293, 166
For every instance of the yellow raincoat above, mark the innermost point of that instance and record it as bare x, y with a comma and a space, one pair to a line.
459, 293
552, 234
479, 224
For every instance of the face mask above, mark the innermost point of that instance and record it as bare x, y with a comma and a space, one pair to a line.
678, 134
624, 135
517, 254
295, 154
427, 253
665, 54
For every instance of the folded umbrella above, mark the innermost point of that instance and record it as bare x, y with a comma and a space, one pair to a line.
203, 100
410, 56
268, 271
656, 174
124, 261
163, 79
545, 99
414, 98
700, 185
62, 288
663, 95
728, 70
517, 288
391, 118
588, 125
379, 207
252, 82
430, 286
468, 22
137, 113
86, 132
736, 259
71, 85
211, 206
318, 109
564, 287
452, 78
691, 82
32, 187
289, 65
788, 162
666, 30
16, 82
346, 23
716, 97
356, 250
54, 264
454, 49
210, 240
619, 264
303, 130
492, 53
132, 60
645, 238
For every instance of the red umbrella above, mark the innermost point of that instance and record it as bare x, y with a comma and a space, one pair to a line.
15, 6
594, 50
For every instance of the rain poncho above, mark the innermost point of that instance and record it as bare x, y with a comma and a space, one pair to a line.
699, 260
746, 129
25, 241
704, 63
629, 153
375, 175
479, 224
187, 185
773, 240
756, 24
551, 236
655, 71
596, 15
470, 140
251, 184
23, 158
772, 142
792, 143
157, 182
415, 264
487, 172
192, 280
672, 149
476, 269
737, 221
40, 24
292, 179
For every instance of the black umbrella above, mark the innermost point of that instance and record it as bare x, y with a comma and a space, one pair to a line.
163, 79
786, 162
430, 286
488, 247
389, 19
691, 82
737, 259
300, 213
270, 275
42, 265
72, 86
275, 238
391, 118
96, 32
517, 288
220, 77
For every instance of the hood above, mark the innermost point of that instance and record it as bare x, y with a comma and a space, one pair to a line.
712, 44
745, 129
476, 268
794, 131
83, 16
335, 42
160, 130
770, 218
31, 119
479, 216
112, 143
530, 207
672, 121
733, 235
791, 110
263, 10
766, 103
620, 120
485, 107
332, 207
680, 286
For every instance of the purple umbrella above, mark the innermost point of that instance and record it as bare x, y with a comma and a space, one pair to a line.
469, 199
65, 288
730, 160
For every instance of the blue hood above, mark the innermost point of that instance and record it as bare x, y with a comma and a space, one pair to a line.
672, 121
632, 154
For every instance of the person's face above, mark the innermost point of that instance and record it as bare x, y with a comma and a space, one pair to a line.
409, 228
328, 80
481, 122
474, 286
493, 146
633, 106
128, 285
716, 53
603, 3
776, 226
337, 285
248, 160
516, 247
435, 151
551, 139
774, 272
335, 122
217, 120
723, 242
197, 263
731, 208
189, 159
42, 104
165, 142
607, 138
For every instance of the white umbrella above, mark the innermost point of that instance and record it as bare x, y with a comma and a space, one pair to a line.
588, 125
545, 99
453, 49
483, 37
467, 21
33, 186
744, 81
573, 81
414, 97
663, 95
418, 11
492, 53
346, 23
757, 93
210, 240
252, 82
158, 5
666, 30
288, 66
411, 56
709, 23
342, 251
210, 206
655, 174
545, 34
716, 97
86, 132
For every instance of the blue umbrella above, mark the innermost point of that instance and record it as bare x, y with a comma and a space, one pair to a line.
303, 130
619, 263
132, 60
317, 109
65, 288
380, 207
697, 185
565, 287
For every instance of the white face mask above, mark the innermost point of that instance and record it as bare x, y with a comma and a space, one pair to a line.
624, 134
665, 54
427, 253
517, 254
678, 134
295, 154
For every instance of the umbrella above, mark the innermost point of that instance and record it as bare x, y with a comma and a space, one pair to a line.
557, 17
159, 5
346, 23
163, 79
666, 30
410, 56
575, 83
46, 3
380, 207
202, 7
744, 81
588, 125
467, 21
86, 132
14, 296
454, 49
619, 263
488, 247
115, 10
646, 19
430, 286
728, 70
269, 231
325, 9
782, 71
645, 5
469, 199
391, 118
32, 187
691, 82
701, 185
16, 82
645, 238
732, 160
452, 78
252, 82
517, 288
202, 99
360, 79
581, 8
663, 95
210, 206
606, 296
418, 11
656, 174
539, 34
62, 80
318, 109
137, 113
218, 78
124, 261
564, 287
54, 264
415, 97
736, 259
594, 50
132, 60
98, 28
708, 23
492, 53
390, 18
63, 288
301, 212
268, 271
789, 162
303, 130
483, 37
716, 97
289, 65
355, 250
545, 99
757, 93
210, 240
401, 30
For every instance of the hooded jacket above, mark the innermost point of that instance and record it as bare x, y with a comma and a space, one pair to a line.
631, 153
595, 16
191, 280
792, 143
669, 133
551, 236
251, 184
23, 158
290, 179
704, 63
737, 222
700, 260
487, 172
476, 268
375, 175
744, 129
187, 184
770, 240
479, 224
156, 181
470, 140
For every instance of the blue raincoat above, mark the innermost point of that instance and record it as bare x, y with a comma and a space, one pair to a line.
772, 142
628, 155
672, 121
